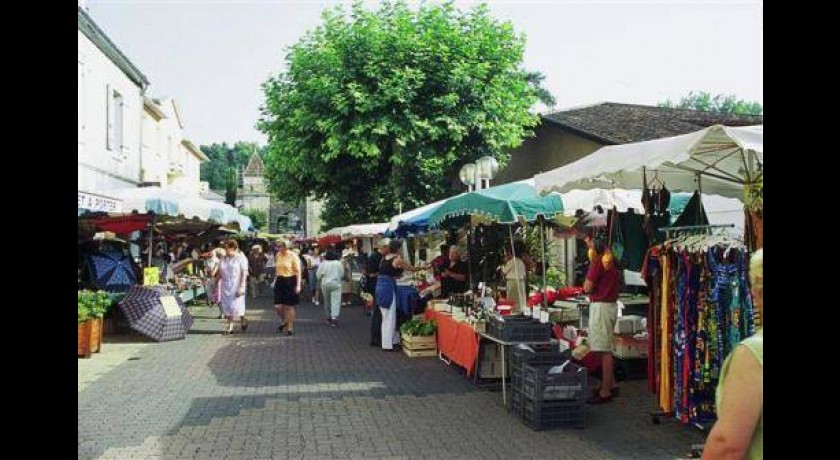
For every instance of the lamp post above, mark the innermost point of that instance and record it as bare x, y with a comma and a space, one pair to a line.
477, 176
486, 169
467, 175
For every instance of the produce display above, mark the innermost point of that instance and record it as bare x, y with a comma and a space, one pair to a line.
416, 327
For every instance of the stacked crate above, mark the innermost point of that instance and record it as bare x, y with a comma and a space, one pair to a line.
542, 400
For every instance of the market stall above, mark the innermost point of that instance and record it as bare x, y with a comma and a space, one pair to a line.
699, 306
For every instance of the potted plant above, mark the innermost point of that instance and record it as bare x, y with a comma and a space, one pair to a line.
92, 306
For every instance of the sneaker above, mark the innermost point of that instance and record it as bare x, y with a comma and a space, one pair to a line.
333, 323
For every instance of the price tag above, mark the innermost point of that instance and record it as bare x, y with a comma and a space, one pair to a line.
535, 312
543, 317
151, 276
170, 306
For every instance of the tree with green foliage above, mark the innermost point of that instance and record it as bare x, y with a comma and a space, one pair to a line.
215, 170
381, 108
725, 105
231, 185
258, 217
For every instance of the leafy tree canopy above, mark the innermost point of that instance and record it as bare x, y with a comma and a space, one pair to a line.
382, 107
727, 105
258, 217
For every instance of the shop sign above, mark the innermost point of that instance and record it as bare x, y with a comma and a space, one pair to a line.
94, 202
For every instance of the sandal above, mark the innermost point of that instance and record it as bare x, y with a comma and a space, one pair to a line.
289, 333
598, 399
614, 392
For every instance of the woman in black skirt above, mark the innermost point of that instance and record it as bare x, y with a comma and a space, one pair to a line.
286, 286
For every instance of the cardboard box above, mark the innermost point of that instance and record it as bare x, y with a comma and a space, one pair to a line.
628, 347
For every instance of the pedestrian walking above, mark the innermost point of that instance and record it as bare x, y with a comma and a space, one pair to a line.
286, 286
330, 275
256, 266
233, 274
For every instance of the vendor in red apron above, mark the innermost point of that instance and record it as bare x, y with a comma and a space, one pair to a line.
602, 281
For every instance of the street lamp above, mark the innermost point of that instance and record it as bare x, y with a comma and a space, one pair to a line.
486, 169
467, 175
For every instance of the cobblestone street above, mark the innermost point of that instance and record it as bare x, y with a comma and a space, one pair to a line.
325, 393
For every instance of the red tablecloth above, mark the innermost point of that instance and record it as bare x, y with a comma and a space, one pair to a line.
457, 341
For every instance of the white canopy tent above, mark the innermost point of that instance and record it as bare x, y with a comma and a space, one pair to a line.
360, 230
720, 210
717, 160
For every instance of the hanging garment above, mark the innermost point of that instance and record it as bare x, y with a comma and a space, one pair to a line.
636, 242
693, 214
664, 198
665, 395
652, 274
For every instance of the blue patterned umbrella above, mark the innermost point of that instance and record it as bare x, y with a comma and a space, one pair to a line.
111, 271
144, 309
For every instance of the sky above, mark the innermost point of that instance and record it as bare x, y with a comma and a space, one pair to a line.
212, 56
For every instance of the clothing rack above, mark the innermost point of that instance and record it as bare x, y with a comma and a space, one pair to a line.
694, 229
695, 310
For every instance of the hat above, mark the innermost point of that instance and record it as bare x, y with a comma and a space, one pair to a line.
383, 242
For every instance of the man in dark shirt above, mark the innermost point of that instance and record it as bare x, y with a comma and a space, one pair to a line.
602, 286
453, 277
439, 262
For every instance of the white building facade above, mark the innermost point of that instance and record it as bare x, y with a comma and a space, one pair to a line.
126, 139
110, 103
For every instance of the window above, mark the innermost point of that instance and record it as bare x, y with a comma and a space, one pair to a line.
116, 109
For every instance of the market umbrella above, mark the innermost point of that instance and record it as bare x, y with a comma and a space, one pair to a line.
504, 204
726, 158
111, 271
153, 312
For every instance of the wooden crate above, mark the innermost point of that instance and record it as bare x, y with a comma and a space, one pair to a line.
416, 342
415, 346
419, 353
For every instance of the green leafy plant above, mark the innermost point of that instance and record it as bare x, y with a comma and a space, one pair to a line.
415, 327
370, 98
93, 304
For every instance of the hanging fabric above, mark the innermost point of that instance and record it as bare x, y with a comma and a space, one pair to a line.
694, 214
701, 309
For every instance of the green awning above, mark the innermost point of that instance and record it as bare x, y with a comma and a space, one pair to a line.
505, 204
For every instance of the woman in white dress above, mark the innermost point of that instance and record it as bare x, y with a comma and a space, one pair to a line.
233, 274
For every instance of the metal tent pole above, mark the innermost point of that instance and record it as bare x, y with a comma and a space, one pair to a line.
542, 247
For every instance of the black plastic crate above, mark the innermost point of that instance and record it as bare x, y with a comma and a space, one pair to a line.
516, 380
537, 383
540, 415
543, 354
520, 330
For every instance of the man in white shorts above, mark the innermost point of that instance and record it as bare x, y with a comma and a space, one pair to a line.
601, 284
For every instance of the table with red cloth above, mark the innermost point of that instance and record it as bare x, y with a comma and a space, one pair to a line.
457, 341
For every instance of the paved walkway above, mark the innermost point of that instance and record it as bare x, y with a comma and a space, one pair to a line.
325, 393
